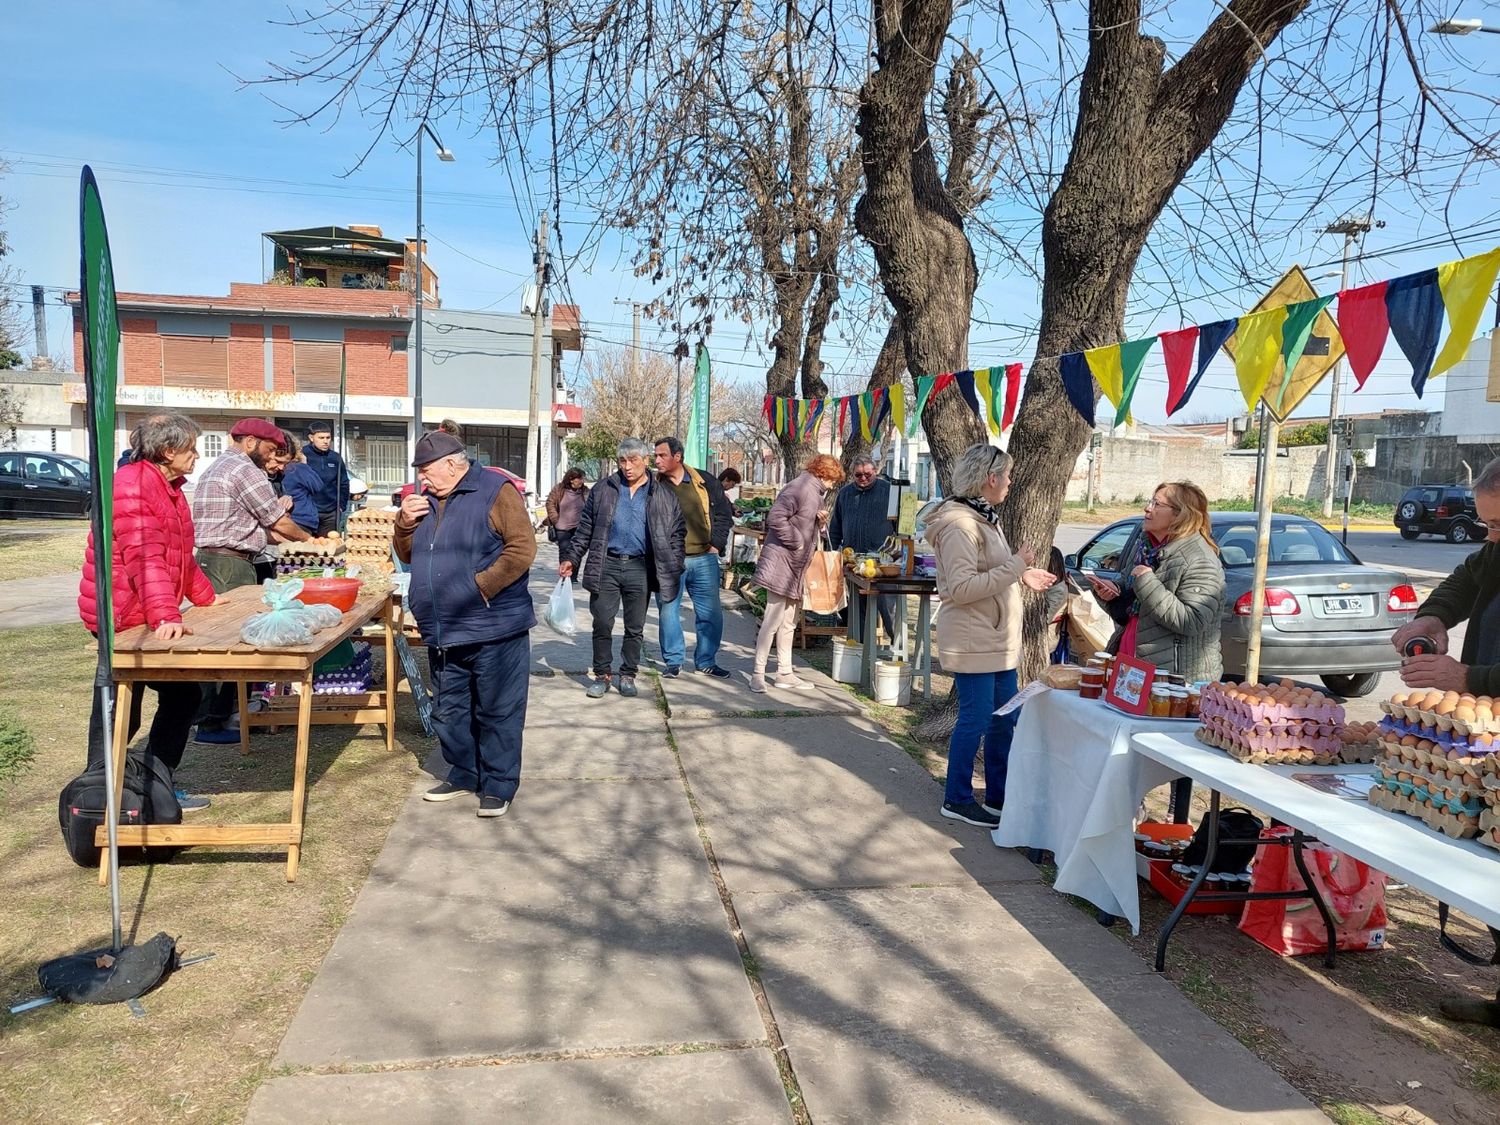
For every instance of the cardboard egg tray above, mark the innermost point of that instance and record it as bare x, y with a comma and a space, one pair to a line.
1217, 703
1431, 720
1438, 786
1360, 742
1449, 824
1454, 763
1489, 828
1236, 745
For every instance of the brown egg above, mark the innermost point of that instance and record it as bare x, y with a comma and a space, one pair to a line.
1445, 708
1464, 713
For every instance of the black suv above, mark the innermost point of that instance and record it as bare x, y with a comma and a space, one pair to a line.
1439, 509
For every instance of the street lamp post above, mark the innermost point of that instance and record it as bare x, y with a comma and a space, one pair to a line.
1462, 27
1352, 229
445, 155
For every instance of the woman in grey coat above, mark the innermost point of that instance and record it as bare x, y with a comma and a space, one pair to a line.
1171, 608
792, 527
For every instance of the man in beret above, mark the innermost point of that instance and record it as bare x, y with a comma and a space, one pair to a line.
333, 476
468, 540
235, 513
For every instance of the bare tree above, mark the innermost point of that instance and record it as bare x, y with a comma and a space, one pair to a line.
11, 323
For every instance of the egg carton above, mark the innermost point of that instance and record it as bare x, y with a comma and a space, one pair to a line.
1453, 762
1358, 753
1217, 704
1489, 828
1429, 717
1261, 755
1464, 798
1454, 782
1456, 826
1264, 739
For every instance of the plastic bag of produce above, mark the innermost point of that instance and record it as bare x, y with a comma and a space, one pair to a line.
322, 616
286, 623
560, 609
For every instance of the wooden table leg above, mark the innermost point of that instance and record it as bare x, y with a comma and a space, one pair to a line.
392, 622
299, 776
119, 743
242, 700
924, 643
867, 672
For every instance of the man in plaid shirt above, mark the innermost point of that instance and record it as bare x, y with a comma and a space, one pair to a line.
235, 513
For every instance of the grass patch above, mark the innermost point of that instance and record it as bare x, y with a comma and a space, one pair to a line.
1351, 1113
211, 1032
24, 555
1487, 1078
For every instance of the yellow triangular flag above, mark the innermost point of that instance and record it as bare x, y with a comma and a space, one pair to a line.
896, 395
1257, 351
1109, 371
1466, 289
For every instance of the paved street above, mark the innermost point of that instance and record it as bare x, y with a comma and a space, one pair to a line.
685, 893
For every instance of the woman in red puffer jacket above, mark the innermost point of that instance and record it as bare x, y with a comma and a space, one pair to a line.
154, 571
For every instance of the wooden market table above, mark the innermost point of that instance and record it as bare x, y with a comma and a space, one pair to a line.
872, 588
213, 652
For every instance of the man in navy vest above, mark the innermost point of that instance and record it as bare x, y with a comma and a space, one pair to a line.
468, 540
333, 476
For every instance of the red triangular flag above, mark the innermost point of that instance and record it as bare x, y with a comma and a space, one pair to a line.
1177, 348
1364, 324
1012, 394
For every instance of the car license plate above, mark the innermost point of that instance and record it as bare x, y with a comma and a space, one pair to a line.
1343, 607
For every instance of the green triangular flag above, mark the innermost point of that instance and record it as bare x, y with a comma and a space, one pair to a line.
1133, 355
1294, 333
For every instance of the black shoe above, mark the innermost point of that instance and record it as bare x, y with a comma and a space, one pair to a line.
992, 807
493, 806
715, 671
445, 791
627, 687
673, 672
971, 812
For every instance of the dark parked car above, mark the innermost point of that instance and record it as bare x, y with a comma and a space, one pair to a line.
1439, 509
1327, 614
43, 484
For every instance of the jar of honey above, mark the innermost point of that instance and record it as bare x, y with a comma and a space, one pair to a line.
1161, 703
1091, 683
1195, 701
1179, 703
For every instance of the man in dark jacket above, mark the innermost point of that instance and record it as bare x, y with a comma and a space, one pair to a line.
1471, 593
631, 532
860, 520
469, 543
333, 476
707, 517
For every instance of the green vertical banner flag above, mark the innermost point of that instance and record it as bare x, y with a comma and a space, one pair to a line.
695, 445
101, 370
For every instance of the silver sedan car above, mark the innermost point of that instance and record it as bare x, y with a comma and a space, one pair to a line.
1327, 614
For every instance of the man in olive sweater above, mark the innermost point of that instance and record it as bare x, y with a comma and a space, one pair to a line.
1471, 593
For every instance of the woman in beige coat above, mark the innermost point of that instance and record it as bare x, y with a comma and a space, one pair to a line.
979, 580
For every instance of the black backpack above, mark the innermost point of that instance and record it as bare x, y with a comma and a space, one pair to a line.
1239, 836
149, 798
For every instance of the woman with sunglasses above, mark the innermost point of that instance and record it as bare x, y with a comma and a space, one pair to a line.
1170, 603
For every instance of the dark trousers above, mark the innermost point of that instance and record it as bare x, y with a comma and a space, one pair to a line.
225, 572
327, 521
176, 704
479, 711
564, 541
623, 582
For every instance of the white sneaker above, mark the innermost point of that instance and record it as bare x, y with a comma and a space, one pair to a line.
790, 682
758, 684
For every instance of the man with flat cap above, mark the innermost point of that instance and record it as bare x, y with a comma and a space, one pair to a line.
468, 540
235, 513
333, 476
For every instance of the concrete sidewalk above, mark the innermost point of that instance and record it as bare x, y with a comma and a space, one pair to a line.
694, 888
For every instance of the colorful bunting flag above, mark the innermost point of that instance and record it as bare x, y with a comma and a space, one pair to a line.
768, 412
989, 390
1365, 326
882, 412
1465, 286
1257, 350
897, 396
1177, 351
1414, 305
1012, 395
1294, 333
927, 386
1118, 370
1078, 384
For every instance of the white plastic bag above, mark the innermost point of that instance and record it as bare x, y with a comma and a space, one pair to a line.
560, 609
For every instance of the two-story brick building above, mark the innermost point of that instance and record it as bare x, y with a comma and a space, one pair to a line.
336, 306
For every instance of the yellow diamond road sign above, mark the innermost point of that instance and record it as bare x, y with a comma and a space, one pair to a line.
1311, 368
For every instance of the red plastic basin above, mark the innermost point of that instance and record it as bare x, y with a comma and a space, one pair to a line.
337, 592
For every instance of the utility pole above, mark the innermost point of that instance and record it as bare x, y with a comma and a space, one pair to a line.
1352, 229
635, 339
533, 432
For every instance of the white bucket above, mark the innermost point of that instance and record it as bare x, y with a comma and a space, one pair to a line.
892, 683
847, 657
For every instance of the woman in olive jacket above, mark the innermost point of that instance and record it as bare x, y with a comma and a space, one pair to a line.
979, 580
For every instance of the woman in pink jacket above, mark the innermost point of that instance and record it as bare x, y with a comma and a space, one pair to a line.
154, 571
792, 527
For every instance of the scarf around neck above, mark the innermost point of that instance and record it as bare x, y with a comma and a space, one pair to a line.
983, 507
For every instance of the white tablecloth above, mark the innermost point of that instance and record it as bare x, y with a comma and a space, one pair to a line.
1073, 787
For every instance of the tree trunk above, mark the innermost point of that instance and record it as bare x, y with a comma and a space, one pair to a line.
1139, 130
926, 265
890, 365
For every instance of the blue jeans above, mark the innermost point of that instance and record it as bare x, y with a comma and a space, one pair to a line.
700, 581
479, 710
979, 693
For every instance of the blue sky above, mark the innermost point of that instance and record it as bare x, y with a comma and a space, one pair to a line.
193, 167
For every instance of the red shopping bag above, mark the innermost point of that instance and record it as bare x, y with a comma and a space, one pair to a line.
1353, 891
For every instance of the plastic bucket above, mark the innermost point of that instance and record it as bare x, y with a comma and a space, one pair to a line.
847, 657
892, 683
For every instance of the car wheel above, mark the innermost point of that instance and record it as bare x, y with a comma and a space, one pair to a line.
1410, 533
1460, 532
1353, 685
1410, 511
